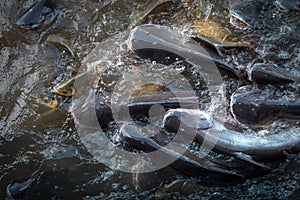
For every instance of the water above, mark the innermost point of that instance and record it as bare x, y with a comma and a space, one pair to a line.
41, 154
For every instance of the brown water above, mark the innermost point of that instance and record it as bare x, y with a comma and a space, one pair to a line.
41, 155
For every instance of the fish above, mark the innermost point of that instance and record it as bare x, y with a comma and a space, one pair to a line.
40, 14
161, 42
250, 147
189, 164
257, 107
286, 6
84, 111
265, 73
137, 18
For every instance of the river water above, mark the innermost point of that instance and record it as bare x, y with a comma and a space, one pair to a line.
41, 154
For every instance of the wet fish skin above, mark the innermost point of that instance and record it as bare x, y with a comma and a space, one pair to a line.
38, 15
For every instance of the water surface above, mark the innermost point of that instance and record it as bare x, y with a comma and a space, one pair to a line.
41, 154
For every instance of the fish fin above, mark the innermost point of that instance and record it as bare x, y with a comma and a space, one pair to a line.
249, 159
232, 172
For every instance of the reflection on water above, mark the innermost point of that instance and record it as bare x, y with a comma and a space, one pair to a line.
41, 155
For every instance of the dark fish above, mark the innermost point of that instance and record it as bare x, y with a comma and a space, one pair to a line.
86, 112
271, 74
40, 14
189, 164
248, 147
288, 5
164, 45
255, 107
244, 12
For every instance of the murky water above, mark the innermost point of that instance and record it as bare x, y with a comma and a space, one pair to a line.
41, 154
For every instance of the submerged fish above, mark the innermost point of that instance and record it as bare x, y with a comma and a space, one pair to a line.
136, 19
40, 14
288, 5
